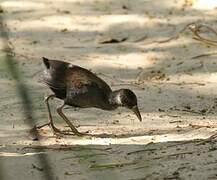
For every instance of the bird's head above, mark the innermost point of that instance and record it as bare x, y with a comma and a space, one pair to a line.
127, 98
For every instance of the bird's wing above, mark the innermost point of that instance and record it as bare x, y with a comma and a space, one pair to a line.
79, 77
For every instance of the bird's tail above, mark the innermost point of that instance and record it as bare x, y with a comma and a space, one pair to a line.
46, 62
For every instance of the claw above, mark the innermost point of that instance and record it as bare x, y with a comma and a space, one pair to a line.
54, 129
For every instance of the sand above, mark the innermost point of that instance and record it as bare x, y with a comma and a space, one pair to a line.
176, 92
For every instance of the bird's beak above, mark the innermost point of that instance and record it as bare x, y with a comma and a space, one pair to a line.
136, 111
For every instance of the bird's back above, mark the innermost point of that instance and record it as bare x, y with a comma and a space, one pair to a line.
76, 85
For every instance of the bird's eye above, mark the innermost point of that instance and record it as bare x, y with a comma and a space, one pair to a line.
124, 101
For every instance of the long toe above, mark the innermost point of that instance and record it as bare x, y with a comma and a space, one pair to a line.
43, 125
79, 133
56, 131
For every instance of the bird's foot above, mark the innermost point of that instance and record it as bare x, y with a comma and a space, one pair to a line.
77, 133
55, 130
43, 125
58, 132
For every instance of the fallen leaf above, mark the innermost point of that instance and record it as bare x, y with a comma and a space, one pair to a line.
113, 40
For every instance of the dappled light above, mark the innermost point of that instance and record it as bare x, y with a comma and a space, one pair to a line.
164, 51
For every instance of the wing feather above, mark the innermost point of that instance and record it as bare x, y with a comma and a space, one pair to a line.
79, 77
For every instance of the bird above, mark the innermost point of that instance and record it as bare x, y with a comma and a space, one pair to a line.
79, 87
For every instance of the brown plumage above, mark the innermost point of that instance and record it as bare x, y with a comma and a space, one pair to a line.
79, 87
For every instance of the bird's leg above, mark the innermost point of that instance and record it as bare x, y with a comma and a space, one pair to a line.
72, 127
50, 122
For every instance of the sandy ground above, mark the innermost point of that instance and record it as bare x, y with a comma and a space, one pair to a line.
176, 92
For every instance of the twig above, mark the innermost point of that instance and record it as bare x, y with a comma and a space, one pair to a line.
178, 121
196, 29
85, 156
204, 55
175, 154
177, 35
79, 47
211, 138
201, 126
139, 151
140, 39
183, 143
188, 110
74, 148
111, 165
204, 41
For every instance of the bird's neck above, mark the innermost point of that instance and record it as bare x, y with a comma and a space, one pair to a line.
115, 99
